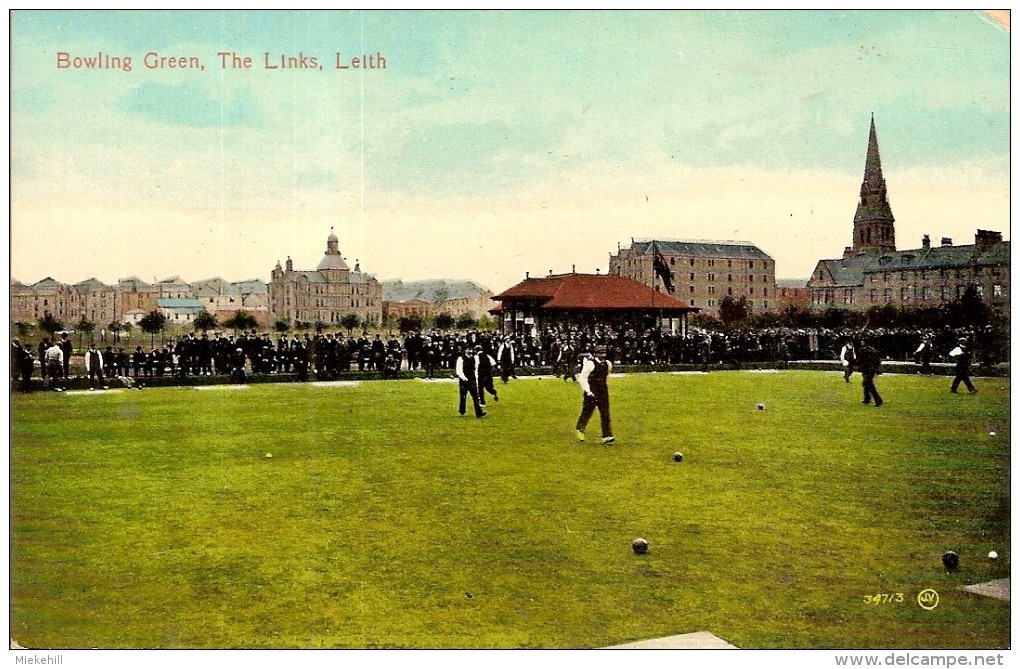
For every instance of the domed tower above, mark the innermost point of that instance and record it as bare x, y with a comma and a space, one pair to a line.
332, 264
874, 232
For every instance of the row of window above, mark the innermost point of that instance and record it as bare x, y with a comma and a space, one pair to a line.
712, 303
909, 293
924, 275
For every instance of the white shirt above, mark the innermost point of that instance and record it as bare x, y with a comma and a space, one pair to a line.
586, 369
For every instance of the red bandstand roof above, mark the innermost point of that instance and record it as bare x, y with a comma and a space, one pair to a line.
591, 291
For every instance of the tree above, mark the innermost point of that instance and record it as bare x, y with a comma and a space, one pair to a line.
466, 322
410, 324
350, 321
205, 321
128, 328
970, 310
733, 312
152, 323
444, 321
23, 328
242, 320
282, 325
49, 324
86, 328
115, 328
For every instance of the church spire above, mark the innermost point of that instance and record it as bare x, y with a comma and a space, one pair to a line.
874, 232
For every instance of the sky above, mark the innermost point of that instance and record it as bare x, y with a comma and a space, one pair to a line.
492, 144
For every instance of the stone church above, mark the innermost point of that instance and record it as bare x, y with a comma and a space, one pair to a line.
326, 294
872, 272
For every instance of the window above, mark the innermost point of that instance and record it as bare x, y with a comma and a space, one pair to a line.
692, 276
729, 277
904, 291
711, 276
729, 263
692, 303
752, 290
711, 303
729, 291
692, 262
711, 290
692, 289
750, 264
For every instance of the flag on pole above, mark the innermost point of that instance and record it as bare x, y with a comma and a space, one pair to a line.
662, 269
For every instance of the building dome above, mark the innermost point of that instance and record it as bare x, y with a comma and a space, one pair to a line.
332, 260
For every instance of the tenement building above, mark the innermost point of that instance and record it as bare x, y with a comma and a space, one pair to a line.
326, 294
701, 273
872, 272
428, 298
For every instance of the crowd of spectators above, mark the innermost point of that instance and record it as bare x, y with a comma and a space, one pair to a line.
328, 355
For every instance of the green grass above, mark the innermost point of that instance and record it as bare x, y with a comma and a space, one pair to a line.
153, 519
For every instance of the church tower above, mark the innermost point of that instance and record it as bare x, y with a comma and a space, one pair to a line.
874, 232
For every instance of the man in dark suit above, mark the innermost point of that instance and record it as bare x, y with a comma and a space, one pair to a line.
868, 362
963, 356
67, 348
507, 357
484, 364
467, 374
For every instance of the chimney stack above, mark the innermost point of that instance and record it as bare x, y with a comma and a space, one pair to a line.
985, 238
926, 242
947, 241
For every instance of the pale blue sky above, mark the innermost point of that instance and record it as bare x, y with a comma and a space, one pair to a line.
495, 143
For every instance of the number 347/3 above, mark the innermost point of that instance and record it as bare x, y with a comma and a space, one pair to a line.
884, 598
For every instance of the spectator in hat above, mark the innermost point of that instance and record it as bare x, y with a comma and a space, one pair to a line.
94, 366
594, 382
54, 361
67, 348
506, 354
963, 356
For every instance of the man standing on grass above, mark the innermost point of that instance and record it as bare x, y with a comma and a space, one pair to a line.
869, 362
593, 380
67, 348
848, 358
94, 366
467, 374
54, 361
484, 364
507, 357
962, 355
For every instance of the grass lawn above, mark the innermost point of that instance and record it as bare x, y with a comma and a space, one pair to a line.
154, 518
